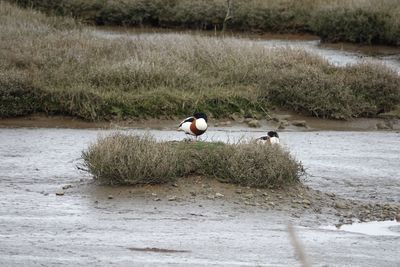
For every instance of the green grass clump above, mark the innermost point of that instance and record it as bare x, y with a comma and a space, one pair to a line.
360, 21
128, 159
357, 25
55, 66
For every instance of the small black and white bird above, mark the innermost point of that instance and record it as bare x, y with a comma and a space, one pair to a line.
195, 125
271, 138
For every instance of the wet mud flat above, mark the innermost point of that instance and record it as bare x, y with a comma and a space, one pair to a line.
196, 221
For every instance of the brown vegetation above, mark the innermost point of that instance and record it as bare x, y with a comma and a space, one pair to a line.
360, 21
129, 159
56, 66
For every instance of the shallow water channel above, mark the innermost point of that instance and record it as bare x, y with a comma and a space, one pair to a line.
84, 227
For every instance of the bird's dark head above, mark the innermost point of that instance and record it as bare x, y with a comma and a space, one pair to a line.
273, 134
199, 115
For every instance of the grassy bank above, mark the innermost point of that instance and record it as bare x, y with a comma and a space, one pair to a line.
56, 66
129, 159
360, 21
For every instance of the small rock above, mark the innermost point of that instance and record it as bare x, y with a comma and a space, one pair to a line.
271, 204
238, 191
157, 199
384, 125
60, 193
338, 225
340, 205
173, 198
247, 120
154, 194
306, 201
225, 123
216, 124
67, 186
265, 194
275, 118
249, 195
210, 197
330, 194
219, 195
110, 197
283, 124
254, 124
299, 123
235, 117
193, 194
317, 209
175, 185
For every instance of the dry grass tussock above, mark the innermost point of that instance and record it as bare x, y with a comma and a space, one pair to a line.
362, 21
56, 66
130, 159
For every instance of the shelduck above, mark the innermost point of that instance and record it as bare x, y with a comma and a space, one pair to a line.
272, 137
194, 125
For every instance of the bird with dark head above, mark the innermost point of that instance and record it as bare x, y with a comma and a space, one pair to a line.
272, 137
194, 125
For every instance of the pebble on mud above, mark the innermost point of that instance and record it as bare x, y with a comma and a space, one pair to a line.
219, 195
173, 198
225, 123
340, 205
238, 191
254, 124
110, 197
250, 195
68, 186
384, 126
299, 123
60, 193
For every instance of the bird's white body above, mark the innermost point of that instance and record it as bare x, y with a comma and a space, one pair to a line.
274, 140
193, 126
201, 124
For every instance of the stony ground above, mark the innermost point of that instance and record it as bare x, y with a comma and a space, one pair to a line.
298, 201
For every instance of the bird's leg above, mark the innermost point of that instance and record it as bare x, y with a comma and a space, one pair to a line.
187, 139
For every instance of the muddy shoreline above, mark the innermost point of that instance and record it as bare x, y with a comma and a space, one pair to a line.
283, 121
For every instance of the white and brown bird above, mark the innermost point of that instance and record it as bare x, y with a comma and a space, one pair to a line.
195, 125
272, 137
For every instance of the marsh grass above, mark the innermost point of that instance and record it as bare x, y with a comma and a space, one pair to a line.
130, 159
56, 66
360, 21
